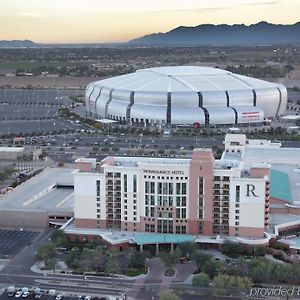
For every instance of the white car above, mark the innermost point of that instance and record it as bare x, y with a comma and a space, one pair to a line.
87, 298
59, 297
25, 294
18, 294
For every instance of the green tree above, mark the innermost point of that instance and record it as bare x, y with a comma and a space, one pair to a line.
137, 260
47, 254
260, 251
200, 280
86, 261
73, 257
100, 257
168, 295
112, 266
233, 249
200, 258
187, 249
210, 268
58, 238
226, 283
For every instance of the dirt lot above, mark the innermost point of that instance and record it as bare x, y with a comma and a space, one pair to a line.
47, 82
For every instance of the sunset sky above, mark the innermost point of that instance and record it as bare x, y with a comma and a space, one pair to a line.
68, 21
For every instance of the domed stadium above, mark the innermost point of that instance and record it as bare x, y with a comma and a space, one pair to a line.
185, 95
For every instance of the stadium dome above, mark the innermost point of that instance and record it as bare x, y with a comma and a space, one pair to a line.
185, 95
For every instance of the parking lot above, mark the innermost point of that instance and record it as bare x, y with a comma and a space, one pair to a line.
34, 111
34, 126
62, 296
31, 97
12, 241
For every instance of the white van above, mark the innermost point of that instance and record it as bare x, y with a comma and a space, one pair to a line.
11, 290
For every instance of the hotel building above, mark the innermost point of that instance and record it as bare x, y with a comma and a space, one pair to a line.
197, 196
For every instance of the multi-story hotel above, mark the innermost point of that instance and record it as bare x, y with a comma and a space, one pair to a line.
197, 196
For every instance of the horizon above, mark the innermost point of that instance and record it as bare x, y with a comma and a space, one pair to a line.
96, 21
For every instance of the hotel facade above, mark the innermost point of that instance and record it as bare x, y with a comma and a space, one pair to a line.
196, 196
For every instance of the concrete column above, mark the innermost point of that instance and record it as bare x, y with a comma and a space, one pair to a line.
141, 248
172, 248
157, 249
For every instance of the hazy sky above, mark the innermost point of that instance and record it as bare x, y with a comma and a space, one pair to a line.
120, 20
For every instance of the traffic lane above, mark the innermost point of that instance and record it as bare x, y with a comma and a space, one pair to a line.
23, 261
13, 241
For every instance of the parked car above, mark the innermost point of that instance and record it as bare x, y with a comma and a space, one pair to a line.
18, 294
25, 294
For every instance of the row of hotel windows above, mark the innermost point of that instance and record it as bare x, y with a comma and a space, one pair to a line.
165, 188
165, 201
165, 228
150, 212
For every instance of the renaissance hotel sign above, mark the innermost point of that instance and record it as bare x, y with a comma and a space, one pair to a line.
163, 172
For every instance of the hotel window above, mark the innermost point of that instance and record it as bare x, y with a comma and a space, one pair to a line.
159, 188
200, 214
165, 201
177, 212
152, 200
177, 201
178, 190
183, 192
134, 183
147, 211
165, 188
151, 211
152, 188
98, 188
200, 186
183, 212
183, 201
125, 183
170, 188
147, 187
237, 193
159, 200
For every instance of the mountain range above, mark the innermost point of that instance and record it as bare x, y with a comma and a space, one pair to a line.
262, 33
18, 44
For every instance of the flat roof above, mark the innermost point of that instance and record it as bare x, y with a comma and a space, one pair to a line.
11, 149
40, 193
272, 155
295, 243
294, 180
280, 186
151, 238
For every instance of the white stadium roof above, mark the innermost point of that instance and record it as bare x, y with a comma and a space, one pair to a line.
183, 79
185, 95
